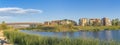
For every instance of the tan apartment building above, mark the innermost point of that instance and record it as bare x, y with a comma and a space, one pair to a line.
56, 22
47, 23
106, 21
67, 21
60, 22
95, 22
83, 22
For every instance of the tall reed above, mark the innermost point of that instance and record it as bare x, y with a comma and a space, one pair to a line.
27, 39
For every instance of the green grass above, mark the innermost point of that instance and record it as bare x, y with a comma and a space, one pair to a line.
99, 28
55, 28
69, 28
27, 39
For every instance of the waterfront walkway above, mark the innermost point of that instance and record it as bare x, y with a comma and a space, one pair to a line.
2, 37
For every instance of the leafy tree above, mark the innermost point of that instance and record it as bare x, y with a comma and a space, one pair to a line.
115, 22
3, 25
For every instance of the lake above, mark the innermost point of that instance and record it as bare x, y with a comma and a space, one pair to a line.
102, 35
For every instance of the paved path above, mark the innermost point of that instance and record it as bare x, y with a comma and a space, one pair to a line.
2, 37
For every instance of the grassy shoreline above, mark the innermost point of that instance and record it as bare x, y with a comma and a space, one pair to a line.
27, 39
73, 28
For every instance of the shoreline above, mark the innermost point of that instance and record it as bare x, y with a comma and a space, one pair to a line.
74, 28
70, 31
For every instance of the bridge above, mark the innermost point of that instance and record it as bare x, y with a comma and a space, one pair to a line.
23, 24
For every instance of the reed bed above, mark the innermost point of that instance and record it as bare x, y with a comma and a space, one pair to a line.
28, 39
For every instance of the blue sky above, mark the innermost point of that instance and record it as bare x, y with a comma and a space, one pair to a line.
47, 10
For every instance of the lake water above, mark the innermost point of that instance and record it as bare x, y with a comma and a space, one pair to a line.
102, 35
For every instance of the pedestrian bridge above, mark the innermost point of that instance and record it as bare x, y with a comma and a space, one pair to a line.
23, 24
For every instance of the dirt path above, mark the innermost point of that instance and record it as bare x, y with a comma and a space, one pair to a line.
3, 37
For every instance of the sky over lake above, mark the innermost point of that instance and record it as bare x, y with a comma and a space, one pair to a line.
47, 10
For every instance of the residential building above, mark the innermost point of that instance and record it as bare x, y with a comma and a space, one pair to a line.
60, 22
83, 22
47, 23
56, 22
95, 22
66, 21
106, 22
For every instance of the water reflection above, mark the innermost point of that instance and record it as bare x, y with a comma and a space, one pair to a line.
107, 34
64, 34
96, 34
71, 34
55, 34
83, 35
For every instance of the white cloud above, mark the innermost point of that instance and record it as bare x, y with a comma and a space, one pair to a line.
15, 10
5, 17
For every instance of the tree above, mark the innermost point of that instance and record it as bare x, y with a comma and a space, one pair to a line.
96, 24
115, 22
3, 25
